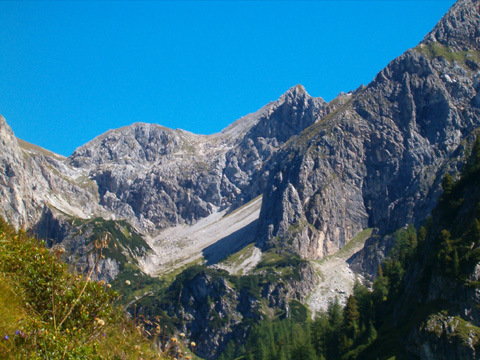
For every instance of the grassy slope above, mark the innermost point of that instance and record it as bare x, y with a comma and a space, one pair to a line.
46, 312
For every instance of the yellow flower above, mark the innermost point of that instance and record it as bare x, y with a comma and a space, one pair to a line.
127, 282
174, 339
182, 335
192, 344
99, 322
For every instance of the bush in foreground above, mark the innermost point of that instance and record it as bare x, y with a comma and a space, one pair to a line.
48, 313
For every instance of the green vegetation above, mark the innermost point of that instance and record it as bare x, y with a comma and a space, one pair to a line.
447, 247
278, 266
464, 331
123, 243
48, 313
435, 50
236, 259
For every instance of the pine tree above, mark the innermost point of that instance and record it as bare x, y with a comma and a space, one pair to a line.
445, 253
412, 241
320, 329
335, 319
351, 317
447, 185
364, 302
474, 233
371, 333
303, 351
380, 289
422, 236
335, 313
476, 154
456, 263
229, 352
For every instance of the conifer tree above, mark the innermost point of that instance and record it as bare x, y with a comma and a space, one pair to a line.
421, 236
351, 318
447, 185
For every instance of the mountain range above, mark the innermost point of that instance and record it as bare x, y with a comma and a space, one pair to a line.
300, 178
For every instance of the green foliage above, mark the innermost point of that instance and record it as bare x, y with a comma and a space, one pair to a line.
50, 313
123, 242
437, 50
351, 318
447, 246
298, 312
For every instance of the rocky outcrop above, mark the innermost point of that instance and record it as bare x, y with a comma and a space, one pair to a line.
459, 29
18, 203
373, 253
376, 161
209, 302
444, 337
32, 179
97, 247
159, 177
214, 307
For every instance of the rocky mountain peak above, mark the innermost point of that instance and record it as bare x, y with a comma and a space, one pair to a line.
139, 143
6, 134
296, 91
297, 95
459, 29
376, 160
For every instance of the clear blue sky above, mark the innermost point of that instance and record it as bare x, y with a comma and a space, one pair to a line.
70, 71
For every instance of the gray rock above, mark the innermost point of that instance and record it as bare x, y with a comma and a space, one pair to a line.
377, 160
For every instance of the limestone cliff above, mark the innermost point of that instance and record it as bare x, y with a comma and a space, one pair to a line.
376, 161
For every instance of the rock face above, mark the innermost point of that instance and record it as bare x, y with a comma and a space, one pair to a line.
32, 178
213, 312
152, 176
459, 29
159, 177
371, 158
18, 204
376, 161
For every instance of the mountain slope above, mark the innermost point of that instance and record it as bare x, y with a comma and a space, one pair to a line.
325, 172
377, 160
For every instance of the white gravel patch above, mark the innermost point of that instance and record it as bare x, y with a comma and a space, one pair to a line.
336, 279
214, 236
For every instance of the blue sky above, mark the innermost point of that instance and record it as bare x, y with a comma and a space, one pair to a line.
70, 71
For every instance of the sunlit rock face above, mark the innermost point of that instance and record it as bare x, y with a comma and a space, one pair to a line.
377, 161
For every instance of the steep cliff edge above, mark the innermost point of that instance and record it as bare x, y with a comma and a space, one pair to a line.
376, 161
431, 307
33, 179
